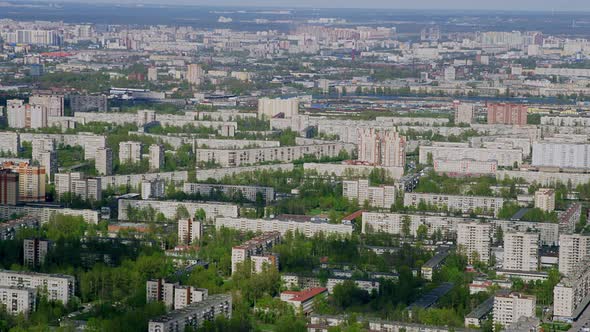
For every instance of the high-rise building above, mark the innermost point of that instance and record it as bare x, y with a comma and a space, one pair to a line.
563, 155
31, 181
572, 295
17, 300
153, 188
386, 148
508, 308
152, 74
78, 185
52, 102
35, 251
145, 117
187, 295
521, 251
195, 74
9, 142
270, 108
89, 103
22, 115
129, 152
545, 199
378, 196
463, 113
474, 240
9, 187
104, 161
573, 248
509, 114
173, 295
189, 230
156, 156
449, 73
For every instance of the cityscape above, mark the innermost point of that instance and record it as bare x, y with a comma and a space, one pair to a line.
294, 166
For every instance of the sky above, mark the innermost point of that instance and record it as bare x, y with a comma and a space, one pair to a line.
527, 5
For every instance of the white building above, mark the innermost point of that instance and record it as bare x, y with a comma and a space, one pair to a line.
193, 315
52, 102
381, 196
572, 294
189, 230
563, 155
195, 74
521, 251
573, 248
258, 246
104, 161
508, 308
474, 240
464, 114
545, 199
464, 204
307, 228
155, 188
56, 286
504, 157
384, 148
465, 167
17, 300
269, 108
129, 152
156, 157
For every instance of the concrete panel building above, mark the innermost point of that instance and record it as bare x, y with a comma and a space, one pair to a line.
474, 240
380, 196
521, 251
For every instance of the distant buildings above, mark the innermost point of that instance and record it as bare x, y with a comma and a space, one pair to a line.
173, 295
463, 113
561, 155
31, 181
9, 187
56, 286
104, 161
155, 188
22, 115
509, 114
189, 230
195, 74
78, 185
573, 248
307, 227
250, 193
258, 246
156, 157
89, 103
465, 167
463, 204
302, 301
34, 252
53, 103
572, 294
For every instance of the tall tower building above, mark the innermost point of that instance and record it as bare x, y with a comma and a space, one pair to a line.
195, 74
521, 251
572, 249
189, 230
8, 187
129, 152
508, 114
474, 240
463, 113
385, 148
156, 156
104, 161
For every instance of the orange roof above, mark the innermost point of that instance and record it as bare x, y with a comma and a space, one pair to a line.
305, 295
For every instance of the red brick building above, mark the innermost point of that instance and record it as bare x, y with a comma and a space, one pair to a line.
510, 114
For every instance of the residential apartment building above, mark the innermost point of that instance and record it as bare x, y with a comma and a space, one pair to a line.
57, 287
258, 246
474, 240
572, 294
193, 315
463, 113
189, 230
53, 103
153, 189
173, 295
465, 167
9, 142
187, 295
250, 193
242, 157
168, 208
384, 148
34, 252
509, 114
269, 108
381, 196
31, 181
545, 199
104, 161
9, 187
393, 223
503, 157
562, 155
573, 248
195, 74
89, 189
521, 251
89, 103
156, 159
17, 300
308, 228
129, 152
22, 115
464, 204
303, 301
508, 308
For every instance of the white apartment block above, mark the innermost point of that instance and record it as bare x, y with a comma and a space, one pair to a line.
22, 115
156, 159
168, 208
242, 157
474, 240
187, 295
220, 173
392, 223
572, 294
18, 300
545, 199
465, 167
48, 159
248, 192
189, 230
307, 228
258, 246
53, 103
9, 142
104, 161
508, 308
573, 248
464, 113
548, 231
145, 116
385, 148
351, 170
269, 108
173, 295
259, 262
504, 157
195, 74
545, 178
563, 155
381, 196
129, 152
35, 251
58, 286
75, 183
153, 189
565, 121
193, 315
135, 180
40, 145
464, 204
521, 251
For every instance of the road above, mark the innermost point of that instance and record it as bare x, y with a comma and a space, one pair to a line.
582, 322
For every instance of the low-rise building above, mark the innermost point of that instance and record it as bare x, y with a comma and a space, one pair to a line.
464, 204
303, 300
251, 193
308, 228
